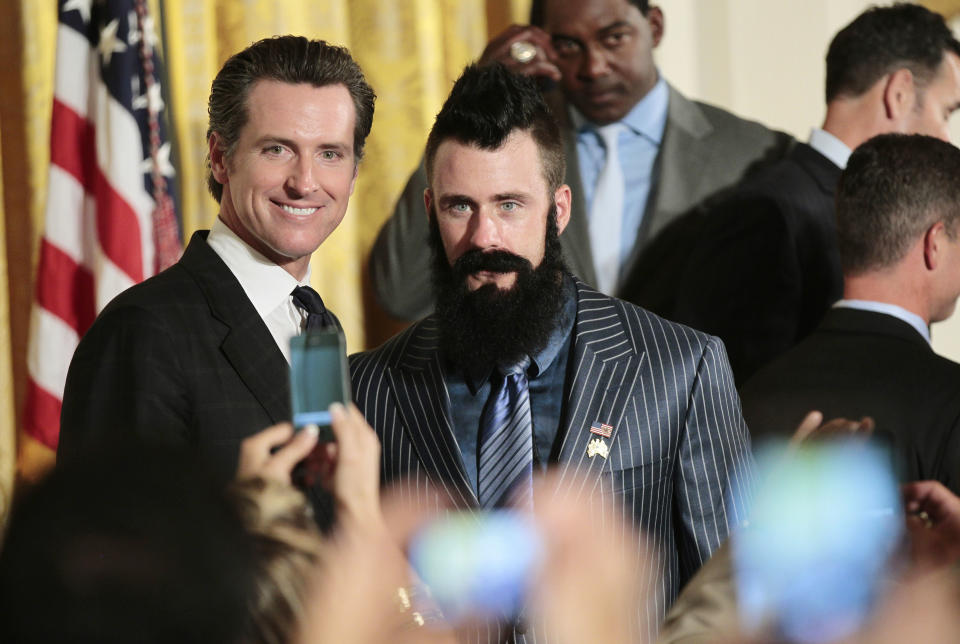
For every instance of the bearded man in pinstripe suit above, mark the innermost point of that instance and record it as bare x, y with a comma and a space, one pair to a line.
642, 412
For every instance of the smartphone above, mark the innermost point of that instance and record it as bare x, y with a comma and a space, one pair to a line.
824, 527
319, 377
477, 564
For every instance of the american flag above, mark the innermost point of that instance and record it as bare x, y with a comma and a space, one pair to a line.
601, 429
110, 217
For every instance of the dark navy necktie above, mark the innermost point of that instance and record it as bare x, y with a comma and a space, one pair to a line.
505, 469
318, 317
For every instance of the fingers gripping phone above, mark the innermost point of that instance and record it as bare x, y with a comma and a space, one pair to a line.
319, 377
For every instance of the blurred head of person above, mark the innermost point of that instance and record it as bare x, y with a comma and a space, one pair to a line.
288, 548
125, 545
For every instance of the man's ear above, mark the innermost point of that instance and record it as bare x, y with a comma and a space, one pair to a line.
427, 201
655, 19
562, 199
932, 240
899, 95
353, 182
218, 162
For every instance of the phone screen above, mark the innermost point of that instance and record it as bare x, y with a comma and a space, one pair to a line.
318, 377
477, 564
824, 524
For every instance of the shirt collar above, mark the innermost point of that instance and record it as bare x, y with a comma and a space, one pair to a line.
648, 118
266, 284
898, 312
830, 146
542, 360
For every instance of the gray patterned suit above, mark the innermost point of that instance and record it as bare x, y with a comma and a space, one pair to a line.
704, 150
679, 445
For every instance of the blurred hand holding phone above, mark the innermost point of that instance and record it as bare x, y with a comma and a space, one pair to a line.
478, 564
319, 377
824, 525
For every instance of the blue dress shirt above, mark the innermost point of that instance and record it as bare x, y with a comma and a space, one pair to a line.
638, 146
547, 376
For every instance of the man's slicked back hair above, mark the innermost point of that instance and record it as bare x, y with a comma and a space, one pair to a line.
489, 103
882, 40
894, 188
288, 59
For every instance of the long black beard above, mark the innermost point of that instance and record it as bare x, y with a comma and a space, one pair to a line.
488, 326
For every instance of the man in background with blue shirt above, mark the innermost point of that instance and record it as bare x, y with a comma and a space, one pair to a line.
667, 153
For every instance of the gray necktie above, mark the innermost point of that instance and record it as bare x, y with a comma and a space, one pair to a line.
506, 441
606, 212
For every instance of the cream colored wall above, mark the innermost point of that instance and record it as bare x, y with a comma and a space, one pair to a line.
765, 61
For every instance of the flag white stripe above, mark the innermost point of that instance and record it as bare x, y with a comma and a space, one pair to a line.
65, 215
47, 361
72, 80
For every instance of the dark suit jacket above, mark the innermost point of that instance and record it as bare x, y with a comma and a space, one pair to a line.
860, 363
183, 360
761, 265
679, 449
704, 149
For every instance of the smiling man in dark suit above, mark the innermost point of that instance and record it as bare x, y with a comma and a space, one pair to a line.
195, 357
596, 56
763, 266
524, 366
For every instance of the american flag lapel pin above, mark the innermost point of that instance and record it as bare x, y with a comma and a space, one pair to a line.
601, 429
598, 446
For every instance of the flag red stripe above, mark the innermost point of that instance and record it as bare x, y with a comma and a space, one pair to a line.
43, 418
65, 288
73, 148
118, 230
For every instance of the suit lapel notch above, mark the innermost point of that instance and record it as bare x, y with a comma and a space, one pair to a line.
247, 343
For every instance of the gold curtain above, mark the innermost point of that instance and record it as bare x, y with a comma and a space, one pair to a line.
410, 50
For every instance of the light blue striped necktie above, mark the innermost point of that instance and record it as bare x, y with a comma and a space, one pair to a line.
506, 441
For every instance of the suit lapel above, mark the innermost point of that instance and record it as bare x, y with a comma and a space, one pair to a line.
678, 170
419, 391
605, 370
247, 343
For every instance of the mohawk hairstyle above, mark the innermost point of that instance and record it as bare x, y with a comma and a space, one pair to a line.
486, 105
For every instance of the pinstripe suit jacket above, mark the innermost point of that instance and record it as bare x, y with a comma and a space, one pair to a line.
679, 446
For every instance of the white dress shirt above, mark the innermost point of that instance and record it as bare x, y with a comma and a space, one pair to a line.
267, 285
830, 146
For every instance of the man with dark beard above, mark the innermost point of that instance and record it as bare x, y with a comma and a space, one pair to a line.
523, 366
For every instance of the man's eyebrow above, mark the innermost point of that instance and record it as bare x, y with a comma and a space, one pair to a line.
512, 196
619, 24
447, 200
270, 138
290, 143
